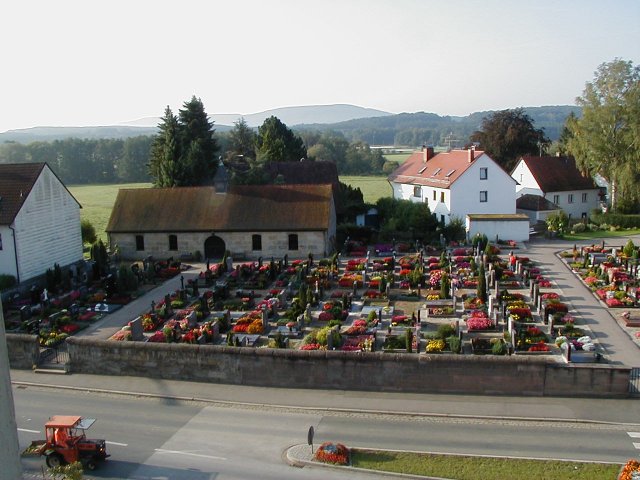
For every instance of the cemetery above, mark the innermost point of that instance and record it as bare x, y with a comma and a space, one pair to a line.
390, 320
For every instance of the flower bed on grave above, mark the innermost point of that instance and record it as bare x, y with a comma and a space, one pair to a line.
435, 276
250, 323
347, 280
318, 339
408, 262
478, 321
355, 265
473, 303
519, 311
487, 346
382, 264
444, 311
528, 336
358, 343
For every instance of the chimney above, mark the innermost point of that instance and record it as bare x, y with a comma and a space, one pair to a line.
427, 153
472, 153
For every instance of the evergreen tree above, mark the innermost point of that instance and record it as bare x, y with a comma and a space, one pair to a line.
482, 284
277, 143
184, 151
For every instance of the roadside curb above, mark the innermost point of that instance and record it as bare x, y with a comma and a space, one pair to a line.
290, 408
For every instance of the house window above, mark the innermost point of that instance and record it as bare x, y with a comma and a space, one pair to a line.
484, 173
442, 196
483, 196
442, 219
584, 215
139, 243
435, 195
256, 242
417, 191
293, 241
173, 242
584, 197
0, 241
556, 199
570, 198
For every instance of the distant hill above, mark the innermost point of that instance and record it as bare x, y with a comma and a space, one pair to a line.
356, 123
322, 114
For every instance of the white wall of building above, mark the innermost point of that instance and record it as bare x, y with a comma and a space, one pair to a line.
466, 191
575, 203
503, 230
7, 252
526, 180
47, 228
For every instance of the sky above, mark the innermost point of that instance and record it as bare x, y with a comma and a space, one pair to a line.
82, 63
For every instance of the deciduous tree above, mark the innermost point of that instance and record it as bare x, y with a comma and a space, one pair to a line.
508, 134
606, 139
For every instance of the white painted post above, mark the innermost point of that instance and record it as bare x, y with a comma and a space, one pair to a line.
10, 451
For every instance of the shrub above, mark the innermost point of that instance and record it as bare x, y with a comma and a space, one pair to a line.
7, 281
579, 228
499, 347
445, 330
455, 345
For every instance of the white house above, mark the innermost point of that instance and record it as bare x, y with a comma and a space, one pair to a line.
558, 180
39, 221
455, 183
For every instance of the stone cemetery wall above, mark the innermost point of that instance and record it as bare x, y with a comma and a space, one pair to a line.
274, 244
377, 371
23, 350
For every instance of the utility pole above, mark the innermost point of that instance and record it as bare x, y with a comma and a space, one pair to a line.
10, 452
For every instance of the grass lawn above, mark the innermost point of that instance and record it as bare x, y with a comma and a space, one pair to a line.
97, 202
373, 187
480, 468
600, 234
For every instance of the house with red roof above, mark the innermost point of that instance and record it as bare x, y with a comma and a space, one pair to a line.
39, 221
558, 180
460, 183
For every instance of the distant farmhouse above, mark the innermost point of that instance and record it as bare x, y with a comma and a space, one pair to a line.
558, 181
39, 221
466, 184
250, 221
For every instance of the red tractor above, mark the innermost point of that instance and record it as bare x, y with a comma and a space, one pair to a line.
66, 442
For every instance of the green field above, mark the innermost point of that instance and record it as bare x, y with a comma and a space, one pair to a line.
397, 157
372, 187
97, 202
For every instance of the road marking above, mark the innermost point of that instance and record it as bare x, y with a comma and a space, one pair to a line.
177, 452
28, 431
109, 442
634, 434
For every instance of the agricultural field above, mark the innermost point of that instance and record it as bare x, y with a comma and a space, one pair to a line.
97, 202
373, 187
397, 157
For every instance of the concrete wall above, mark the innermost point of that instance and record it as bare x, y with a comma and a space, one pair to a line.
24, 350
377, 371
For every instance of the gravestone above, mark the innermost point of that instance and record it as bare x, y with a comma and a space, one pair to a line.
192, 318
229, 263
136, 329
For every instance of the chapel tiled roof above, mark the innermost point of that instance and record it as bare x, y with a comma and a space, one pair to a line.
558, 174
440, 171
535, 203
243, 208
16, 181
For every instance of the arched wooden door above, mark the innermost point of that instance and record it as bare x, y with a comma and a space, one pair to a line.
214, 247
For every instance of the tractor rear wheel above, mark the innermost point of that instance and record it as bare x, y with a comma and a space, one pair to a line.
54, 460
91, 464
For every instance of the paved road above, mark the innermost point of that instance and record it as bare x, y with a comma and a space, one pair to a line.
616, 340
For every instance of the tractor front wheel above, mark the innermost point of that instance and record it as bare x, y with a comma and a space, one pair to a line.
91, 464
54, 460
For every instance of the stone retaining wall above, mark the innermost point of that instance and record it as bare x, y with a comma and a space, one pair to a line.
440, 373
24, 350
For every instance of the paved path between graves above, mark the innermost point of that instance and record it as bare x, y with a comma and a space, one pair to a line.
113, 322
613, 337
